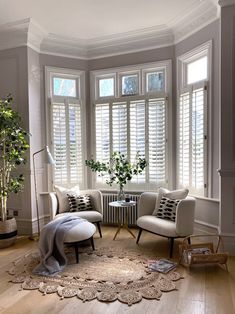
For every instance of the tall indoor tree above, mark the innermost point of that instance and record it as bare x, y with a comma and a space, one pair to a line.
13, 147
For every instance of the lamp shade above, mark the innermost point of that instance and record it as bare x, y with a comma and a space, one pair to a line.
48, 157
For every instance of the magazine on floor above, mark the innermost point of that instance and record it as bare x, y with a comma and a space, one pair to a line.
162, 265
187, 254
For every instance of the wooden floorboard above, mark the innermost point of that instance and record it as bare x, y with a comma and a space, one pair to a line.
203, 290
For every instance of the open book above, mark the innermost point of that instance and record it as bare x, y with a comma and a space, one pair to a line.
162, 265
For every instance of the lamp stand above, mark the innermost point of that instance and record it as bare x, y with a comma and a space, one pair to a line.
36, 236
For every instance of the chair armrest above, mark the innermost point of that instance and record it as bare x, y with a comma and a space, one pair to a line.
53, 204
96, 199
185, 212
147, 203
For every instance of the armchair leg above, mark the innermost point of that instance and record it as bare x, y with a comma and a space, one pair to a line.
92, 243
139, 234
99, 229
171, 246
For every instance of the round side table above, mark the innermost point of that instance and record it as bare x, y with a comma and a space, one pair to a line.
126, 206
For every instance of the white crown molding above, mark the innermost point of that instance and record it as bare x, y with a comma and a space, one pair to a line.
36, 34
192, 21
14, 34
21, 33
140, 40
28, 32
225, 3
58, 45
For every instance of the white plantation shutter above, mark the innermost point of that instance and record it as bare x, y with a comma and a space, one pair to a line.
137, 134
102, 132
130, 127
119, 127
102, 118
184, 140
157, 141
59, 143
75, 144
67, 143
198, 139
192, 140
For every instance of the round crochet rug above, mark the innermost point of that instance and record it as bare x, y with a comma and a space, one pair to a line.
107, 274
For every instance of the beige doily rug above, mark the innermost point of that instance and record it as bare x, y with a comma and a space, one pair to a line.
105, 274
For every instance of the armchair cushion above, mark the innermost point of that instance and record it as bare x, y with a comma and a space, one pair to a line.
167, 208
174, 195
61, 192
91, 215
79, 202
157, 225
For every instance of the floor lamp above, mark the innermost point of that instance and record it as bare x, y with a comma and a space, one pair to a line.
48, 159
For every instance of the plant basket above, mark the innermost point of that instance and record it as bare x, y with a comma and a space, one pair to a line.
8, 232
201, 253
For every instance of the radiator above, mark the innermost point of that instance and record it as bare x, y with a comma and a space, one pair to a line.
109, 214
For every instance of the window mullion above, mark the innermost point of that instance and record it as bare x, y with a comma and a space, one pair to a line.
190, 138
205, 142
128, 129
111, 127
146, 138
67, 140
166, 139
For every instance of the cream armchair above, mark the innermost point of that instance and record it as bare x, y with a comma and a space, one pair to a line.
182, 227
94, 216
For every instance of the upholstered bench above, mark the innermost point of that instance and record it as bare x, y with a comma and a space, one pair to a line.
77, 234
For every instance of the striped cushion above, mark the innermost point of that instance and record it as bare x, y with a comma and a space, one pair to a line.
79, 202
167, 208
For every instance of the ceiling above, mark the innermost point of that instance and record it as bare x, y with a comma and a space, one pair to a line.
84, 24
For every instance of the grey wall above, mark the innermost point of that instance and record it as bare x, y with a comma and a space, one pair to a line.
132, 58
14, 80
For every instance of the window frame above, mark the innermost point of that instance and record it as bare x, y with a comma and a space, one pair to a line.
129, 73
70, 77
79, 76
182, 62
141, 69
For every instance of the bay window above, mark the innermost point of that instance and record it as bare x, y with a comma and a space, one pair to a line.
130, 116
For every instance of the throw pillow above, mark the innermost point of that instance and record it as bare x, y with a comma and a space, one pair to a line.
61, 193
176, 194
167, 208
79, 203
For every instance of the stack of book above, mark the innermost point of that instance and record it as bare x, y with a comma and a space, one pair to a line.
162, 265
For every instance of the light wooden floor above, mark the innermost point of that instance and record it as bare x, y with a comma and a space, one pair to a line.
204, 290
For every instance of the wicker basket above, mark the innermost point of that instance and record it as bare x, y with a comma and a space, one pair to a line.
8, 232
203, 252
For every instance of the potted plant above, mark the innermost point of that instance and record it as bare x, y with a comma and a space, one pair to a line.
119, 169
13, 145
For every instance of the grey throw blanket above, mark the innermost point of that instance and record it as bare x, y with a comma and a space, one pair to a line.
51, 245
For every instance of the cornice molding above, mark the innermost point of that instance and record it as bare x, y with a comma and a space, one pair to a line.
36, 35
14, 34
225, 3
194, 20
28, 32
62, 46
144, 39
